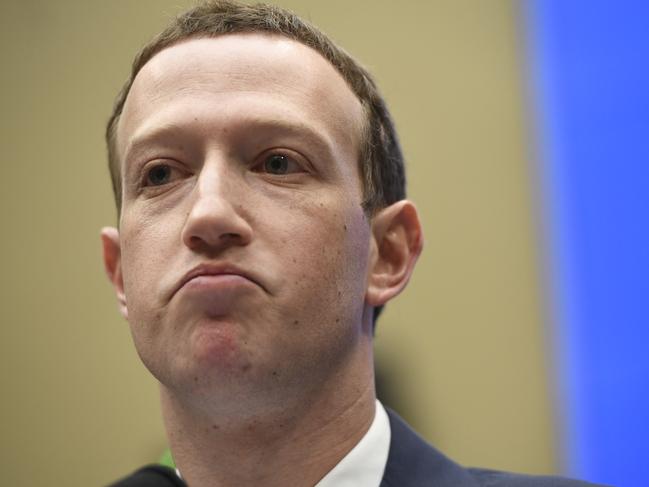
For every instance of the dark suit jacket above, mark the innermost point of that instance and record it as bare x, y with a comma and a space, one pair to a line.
414, 463
411, 463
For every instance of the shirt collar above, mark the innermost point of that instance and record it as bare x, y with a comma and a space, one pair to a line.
363, 466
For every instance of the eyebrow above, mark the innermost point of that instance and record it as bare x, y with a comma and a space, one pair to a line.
319, 142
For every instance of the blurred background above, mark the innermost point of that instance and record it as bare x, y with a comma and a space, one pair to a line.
521, 342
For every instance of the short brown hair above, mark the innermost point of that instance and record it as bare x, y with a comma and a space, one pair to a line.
380, 160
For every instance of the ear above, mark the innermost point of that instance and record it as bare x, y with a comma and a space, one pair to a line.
397, 243
113, 265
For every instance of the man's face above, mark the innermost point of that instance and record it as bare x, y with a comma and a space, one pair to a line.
244, 247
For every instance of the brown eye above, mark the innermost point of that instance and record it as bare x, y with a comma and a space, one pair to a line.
158, 175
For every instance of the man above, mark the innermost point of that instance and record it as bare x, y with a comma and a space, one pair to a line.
262, 226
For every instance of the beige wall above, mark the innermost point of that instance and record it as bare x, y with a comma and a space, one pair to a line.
463, 348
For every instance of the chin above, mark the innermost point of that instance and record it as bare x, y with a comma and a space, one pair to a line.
219, 350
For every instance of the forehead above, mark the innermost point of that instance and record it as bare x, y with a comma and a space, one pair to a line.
242, 75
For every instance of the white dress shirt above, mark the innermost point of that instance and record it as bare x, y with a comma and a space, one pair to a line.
363, 466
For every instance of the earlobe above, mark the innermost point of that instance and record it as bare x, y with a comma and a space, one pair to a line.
398, 241
113, 265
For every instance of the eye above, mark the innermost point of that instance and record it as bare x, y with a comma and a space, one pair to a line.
160, 174
279, 164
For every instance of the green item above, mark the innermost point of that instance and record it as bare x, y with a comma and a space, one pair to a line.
166, 459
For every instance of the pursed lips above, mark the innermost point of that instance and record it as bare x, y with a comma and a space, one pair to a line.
216, 270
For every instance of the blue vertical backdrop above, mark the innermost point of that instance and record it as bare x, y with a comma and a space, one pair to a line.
589, 70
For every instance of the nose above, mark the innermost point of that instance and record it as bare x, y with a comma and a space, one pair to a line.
216, 220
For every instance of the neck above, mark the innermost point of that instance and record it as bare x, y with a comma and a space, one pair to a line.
295, 444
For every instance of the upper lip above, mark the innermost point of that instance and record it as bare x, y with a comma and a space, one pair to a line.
213, 269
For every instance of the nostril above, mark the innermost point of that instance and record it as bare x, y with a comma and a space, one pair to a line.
195, 240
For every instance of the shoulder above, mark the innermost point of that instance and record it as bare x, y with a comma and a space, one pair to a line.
151, 476
412, 462
493, 478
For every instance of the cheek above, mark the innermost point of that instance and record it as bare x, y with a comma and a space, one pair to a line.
329, 253
146, 254
146, 257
